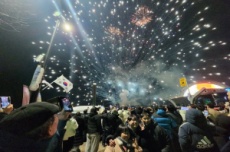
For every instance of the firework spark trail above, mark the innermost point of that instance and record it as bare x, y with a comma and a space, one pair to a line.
148, 44
16, 14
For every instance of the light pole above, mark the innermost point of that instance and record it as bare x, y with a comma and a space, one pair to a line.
94, 93
51, 42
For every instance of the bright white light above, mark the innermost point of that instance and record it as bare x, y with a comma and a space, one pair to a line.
67, 27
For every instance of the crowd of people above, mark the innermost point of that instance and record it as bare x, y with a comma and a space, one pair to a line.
43, 127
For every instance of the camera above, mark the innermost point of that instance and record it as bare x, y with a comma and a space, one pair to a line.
5, 101
62, 103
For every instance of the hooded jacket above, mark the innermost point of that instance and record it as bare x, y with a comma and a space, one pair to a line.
195, 135
164, 121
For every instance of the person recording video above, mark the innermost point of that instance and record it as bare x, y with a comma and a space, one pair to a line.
34, 127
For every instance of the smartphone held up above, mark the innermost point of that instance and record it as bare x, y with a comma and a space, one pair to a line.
5, 101
62, 102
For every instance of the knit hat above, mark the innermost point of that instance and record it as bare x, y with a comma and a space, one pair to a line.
28, 117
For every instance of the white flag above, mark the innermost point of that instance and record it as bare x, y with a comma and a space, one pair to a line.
64, 83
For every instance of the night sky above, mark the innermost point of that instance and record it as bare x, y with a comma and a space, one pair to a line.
134, 50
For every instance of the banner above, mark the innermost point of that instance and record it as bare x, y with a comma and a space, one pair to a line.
64, 83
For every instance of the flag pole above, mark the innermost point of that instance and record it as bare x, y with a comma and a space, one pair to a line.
34, 94
51, 42
47, 86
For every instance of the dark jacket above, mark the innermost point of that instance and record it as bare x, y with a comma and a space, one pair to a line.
195, 135
222, 136
12, 143
175, 115
94, 123
153, 138
80, 132
165, 122
114, 121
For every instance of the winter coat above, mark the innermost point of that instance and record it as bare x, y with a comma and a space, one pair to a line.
12, 143
175, 115
222, 136
80, 132
114, 122
94, 124
153, 138
165, 122
195, 135
70, 128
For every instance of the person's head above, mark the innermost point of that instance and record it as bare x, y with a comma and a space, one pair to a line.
101, 110
48, 129
110, 140
150, 110
123, 131
93, 111
36, 120
114, 112
125, 107
77, 114
146, 118
162, 107
155, 107
138, 110
171, 108
192, 106
210, 105
221, 105
196, 117
132, 121
228, 93
200, 106
85, 111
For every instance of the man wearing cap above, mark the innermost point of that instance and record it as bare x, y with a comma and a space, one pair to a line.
29, 128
